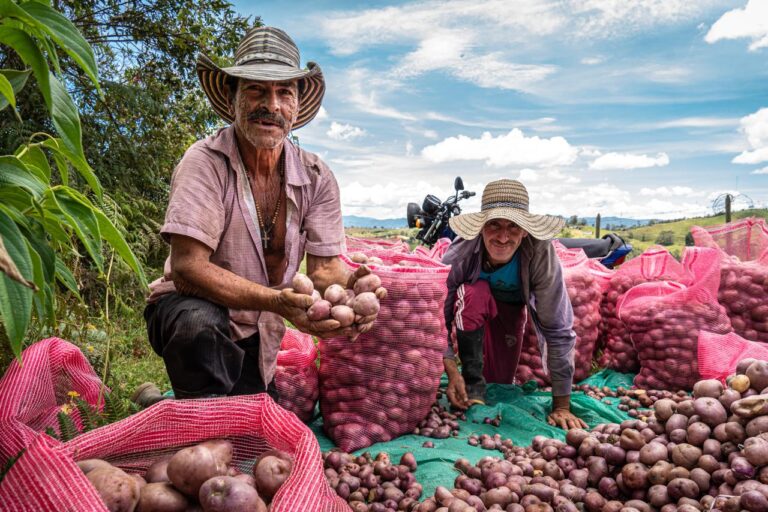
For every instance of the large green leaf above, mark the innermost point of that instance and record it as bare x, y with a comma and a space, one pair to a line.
42, 298
15, 198
78, 213
35, 233
34, 155
13, 172
30, 54
66, 36
78, 162
6, 90
65, 277
65, 117
116, 240
15, 298
17, 79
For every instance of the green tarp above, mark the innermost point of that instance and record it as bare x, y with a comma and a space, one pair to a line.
523, 413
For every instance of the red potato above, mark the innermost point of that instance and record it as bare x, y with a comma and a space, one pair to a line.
119, 491
271, 471
158, 471
190, 467
229, 494
367, 283
161, 497
302, 284
335, 294
320, 310
89, 465
344, 314
365, 304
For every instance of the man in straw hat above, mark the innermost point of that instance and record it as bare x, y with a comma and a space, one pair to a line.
505, 272
245, 206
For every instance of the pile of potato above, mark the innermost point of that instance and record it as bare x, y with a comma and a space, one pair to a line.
200, 477
665, 332
585, 290
344, 305
383, 384
744, 294
296, 375
439, 423
705, 452
373, 484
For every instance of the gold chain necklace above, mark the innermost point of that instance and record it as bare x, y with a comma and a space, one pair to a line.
266, 229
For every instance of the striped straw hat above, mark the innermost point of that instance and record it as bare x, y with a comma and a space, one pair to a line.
506, 199
266, 54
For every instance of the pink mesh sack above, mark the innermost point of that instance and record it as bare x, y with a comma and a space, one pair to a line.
383, 384
743, 274
32, 393
365, 244
253, 423
436, 252
655, 264
720, 353
585, 280
296, 376
664, 320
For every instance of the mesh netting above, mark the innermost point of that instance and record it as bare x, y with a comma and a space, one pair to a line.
436, 252
665, 318
720, 353
33, 392
655, 264
585, 281
383, 384
367, 244
743, 274
253, 423
296, 375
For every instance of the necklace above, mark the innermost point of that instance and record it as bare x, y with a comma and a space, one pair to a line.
264, 228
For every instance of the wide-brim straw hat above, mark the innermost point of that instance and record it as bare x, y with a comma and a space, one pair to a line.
264, 54
506, 199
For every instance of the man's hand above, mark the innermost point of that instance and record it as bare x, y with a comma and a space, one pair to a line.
457, 390
565, 419
361, 271
293, 307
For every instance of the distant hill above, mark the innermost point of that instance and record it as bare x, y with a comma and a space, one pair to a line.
353, 221
616, 221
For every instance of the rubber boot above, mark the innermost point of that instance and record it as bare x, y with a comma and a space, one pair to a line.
471, 356
147, 394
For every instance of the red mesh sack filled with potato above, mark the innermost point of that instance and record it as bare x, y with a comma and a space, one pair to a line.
743, 274
719, 354
436, 252
33, 392
655, 264
382, 384
585, 280
296, 376
366, 244
252, 424
665, 318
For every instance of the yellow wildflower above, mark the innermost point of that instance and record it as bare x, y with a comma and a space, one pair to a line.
73, 394
66, 408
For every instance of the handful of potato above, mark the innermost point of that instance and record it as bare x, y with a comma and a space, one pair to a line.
347, 306
197, 478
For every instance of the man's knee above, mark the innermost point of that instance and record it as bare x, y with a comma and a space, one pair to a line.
475, 305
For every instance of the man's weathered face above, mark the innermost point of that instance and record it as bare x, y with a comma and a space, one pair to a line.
265, 111
501, 239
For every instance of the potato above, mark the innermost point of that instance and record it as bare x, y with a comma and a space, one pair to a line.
357, 257
302, 284
344, 314
190, 467
367, 283
365, 304
335, 294
119, 491
221, 449
320, 310
228, 494
89, 465
271, 471
158, 471
161, 497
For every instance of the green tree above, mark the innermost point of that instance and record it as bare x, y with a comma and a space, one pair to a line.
43, 215
665, 238
689, 239
573, 220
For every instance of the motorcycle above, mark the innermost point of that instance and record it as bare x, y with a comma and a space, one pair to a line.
432, 219
432, 216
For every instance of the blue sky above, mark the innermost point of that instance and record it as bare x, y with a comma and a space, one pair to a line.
641, 108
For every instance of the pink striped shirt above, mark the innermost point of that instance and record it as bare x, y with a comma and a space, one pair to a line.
209, 202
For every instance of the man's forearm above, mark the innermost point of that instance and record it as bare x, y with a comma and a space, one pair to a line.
561, 402
451, 368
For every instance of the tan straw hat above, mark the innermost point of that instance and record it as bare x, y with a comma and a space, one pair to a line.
506, 199
265, 54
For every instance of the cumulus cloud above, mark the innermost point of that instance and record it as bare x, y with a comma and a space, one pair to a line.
363, 89
755, 127
340, 131
667, 191
624, 161
512, 149
592, 61
764, 170
750, 22
321, 114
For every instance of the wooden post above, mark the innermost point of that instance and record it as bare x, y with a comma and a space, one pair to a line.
597, 226
727, 208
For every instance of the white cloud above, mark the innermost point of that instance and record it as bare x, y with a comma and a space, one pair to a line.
363, 87
625, 161
512, 149
750, 22
755, 127
340, 131
764, 170
592, 61
699, 122
528, 176
321, 114
667, 191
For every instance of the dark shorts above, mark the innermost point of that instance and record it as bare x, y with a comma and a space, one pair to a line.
192, 336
